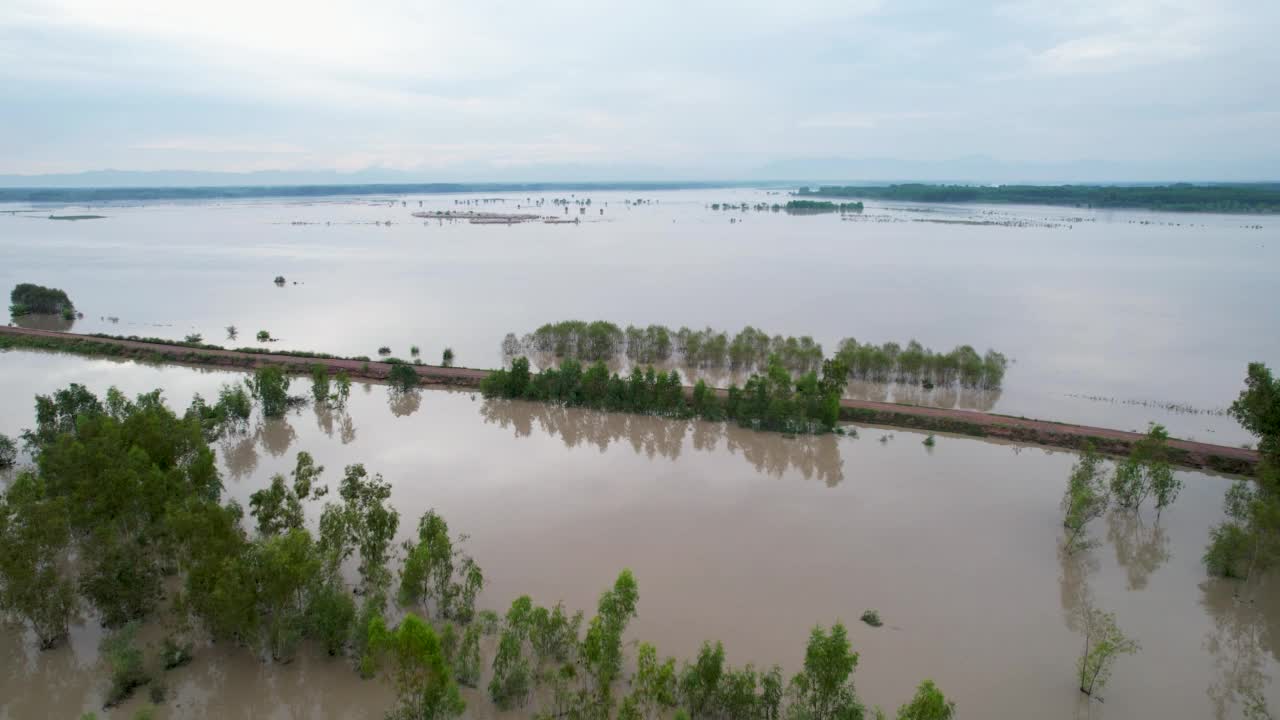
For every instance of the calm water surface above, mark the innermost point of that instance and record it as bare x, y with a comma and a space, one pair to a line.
1124, 307
750, 538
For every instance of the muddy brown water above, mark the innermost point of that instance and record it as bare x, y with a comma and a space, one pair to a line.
750, 538
1106, 314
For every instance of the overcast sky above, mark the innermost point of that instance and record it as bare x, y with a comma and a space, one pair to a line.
1189, 88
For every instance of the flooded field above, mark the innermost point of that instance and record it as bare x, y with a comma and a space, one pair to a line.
1110, 318
750, 538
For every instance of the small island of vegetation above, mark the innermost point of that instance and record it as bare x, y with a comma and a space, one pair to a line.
1179, 197
28, 298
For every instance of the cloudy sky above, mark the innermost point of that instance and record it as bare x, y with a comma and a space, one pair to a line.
1164, 88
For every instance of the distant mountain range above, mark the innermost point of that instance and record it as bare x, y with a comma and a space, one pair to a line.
976, 169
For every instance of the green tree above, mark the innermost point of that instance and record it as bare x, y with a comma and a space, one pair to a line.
270, 386
278, 507
284, 568
402, 377
330, 614
467, 661
653, 688
8, 451
428, 567
1258, 408
1146, 472
512, 676
320, 384
1103, 643
342, 389
928, 704
1249, 541
365, 523
446, 360
824, 689
554, 634
415, 665
1086, 497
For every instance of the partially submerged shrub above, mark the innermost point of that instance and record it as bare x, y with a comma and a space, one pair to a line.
124, 661
29, 298
872, 618
403, 377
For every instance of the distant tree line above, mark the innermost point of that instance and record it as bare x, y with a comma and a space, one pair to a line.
123, 512
808, 207
1181, 197
752, 348
799, 207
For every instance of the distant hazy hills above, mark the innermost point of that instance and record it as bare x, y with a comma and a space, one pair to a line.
829, 170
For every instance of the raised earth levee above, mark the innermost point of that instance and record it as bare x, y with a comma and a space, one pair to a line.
1187, 453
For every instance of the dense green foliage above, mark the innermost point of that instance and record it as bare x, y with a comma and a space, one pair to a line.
416, 665
28, 298
1258, 408
1248, 542
773, 401
8, 451
1178, 197
916, 364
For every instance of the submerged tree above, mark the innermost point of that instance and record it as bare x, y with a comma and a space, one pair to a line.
402, 377
320, 384
1085, 499
1103, 644
270, 386
1146, 472
928, 704
415, 664
824, 689
1248, 543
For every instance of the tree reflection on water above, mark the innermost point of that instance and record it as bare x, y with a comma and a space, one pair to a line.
813, 456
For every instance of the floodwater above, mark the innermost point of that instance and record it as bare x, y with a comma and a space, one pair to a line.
1110, 316
749, 538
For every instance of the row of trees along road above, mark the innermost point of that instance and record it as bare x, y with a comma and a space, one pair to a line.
125, 493
754, 349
